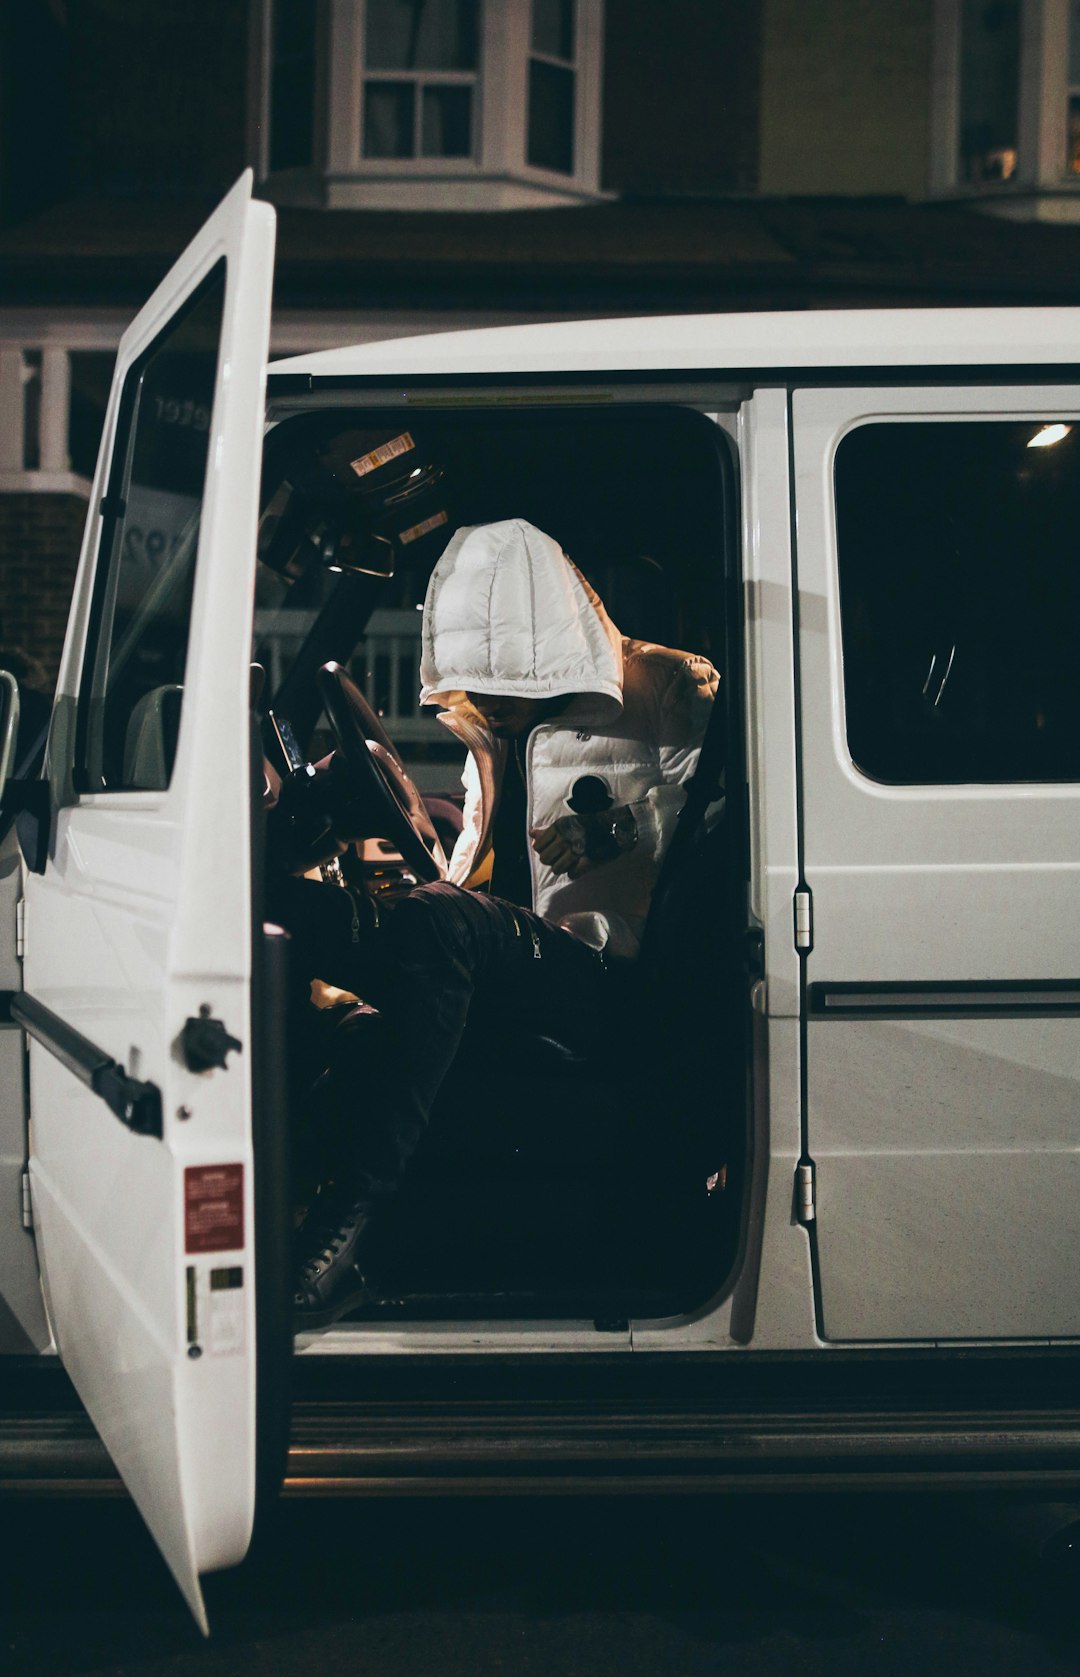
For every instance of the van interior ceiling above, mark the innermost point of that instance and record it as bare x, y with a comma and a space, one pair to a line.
550, 1183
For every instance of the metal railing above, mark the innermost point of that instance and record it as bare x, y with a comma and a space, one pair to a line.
38, 344
385, 666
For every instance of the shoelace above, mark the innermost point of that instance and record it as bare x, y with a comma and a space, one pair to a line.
322, 1260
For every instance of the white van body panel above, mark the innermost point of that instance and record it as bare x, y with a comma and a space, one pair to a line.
818, 338
142, 917
831, 344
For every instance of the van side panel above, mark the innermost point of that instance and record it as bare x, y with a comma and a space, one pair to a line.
946, 1159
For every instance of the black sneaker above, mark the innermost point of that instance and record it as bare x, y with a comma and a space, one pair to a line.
331, 1281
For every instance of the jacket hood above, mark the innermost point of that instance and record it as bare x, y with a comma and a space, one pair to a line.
506, 612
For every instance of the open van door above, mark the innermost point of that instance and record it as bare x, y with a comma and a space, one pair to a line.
139, 945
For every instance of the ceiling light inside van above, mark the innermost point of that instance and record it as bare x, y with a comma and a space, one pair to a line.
1049, 435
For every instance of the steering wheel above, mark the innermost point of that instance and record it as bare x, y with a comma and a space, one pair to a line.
398, 812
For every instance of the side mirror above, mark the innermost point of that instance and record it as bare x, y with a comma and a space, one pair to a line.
9, 724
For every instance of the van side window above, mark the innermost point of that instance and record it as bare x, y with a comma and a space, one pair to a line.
959, 599
131, 693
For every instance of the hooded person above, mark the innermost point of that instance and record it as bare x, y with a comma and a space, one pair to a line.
581, 744
604, 731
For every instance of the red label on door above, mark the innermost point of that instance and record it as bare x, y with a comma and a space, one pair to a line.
213, 1208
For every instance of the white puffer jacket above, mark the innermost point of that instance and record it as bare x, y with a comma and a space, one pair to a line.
506, 612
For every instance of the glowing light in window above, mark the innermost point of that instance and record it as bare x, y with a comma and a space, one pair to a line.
1049, 435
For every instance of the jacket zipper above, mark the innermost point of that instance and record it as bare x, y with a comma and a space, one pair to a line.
534, 861
526, 768
538, 954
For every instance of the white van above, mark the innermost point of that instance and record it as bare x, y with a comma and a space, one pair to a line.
821, 1226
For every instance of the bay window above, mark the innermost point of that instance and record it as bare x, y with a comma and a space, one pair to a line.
1006, 108
428, 104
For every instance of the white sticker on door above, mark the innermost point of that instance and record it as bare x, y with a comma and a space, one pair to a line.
216, 1311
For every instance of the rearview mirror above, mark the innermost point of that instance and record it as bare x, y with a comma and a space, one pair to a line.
296, 531
9, 724
354, 548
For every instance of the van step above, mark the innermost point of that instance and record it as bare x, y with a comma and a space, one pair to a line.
442, 1448
473, 1447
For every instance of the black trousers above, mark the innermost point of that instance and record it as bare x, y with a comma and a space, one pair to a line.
439, 957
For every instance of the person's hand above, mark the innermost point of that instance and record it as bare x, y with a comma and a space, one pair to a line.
271, 785
561, 847
575, 843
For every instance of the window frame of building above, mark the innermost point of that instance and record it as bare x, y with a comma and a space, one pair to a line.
292, 184
1042, 178
496, 175
346, 112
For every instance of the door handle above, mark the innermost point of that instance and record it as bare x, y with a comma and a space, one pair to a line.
135, 1103
205, 1043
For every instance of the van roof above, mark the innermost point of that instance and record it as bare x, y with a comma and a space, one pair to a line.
811, 338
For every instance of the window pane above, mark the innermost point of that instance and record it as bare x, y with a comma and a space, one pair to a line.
959, 596
551, 117
1072, 152
553, 28
292, 85
31, 409
989, 87
408, 684
421, 35
383, 672
388, 119
1072, 141
132, 681
91, 376
447, 122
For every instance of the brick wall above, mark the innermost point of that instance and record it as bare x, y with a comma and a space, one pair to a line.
40, 537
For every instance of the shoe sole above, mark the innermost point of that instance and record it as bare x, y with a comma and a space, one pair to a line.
306, 1320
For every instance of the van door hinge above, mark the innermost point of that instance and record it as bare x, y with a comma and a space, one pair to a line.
20, 927
804, 919
27, 1202
805, 1199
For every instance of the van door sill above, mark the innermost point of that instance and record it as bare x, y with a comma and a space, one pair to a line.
347, 1339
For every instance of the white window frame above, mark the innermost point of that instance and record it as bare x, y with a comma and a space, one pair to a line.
497, 175
345, 112
1042, 106
535, 56
260, 76
420, 81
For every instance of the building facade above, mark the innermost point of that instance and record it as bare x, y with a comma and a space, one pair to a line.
443, 162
